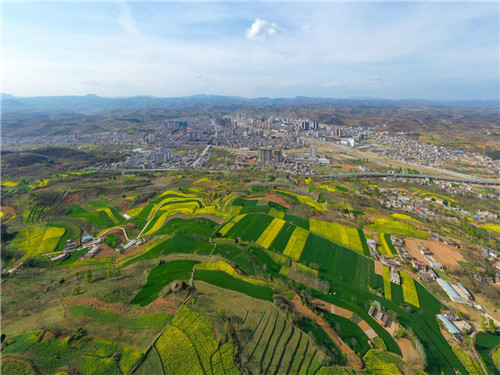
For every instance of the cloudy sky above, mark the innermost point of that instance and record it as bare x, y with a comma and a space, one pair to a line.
430, 50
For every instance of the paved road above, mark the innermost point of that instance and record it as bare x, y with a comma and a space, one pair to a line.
386, 161
476, 181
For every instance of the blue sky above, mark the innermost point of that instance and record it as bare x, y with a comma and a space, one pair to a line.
331, 49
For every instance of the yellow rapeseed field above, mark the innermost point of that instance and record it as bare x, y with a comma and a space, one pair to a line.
409, 290
230, 224
296, 243
267, 237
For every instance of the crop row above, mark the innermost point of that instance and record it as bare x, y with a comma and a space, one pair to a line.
387, 282
296, 243
267, 237
409, 290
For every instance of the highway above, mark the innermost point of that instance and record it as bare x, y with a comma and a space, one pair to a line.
474, 181
385, 161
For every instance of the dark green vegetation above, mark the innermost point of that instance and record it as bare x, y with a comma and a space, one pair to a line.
115, 296
224, 280
485, 345
162, 275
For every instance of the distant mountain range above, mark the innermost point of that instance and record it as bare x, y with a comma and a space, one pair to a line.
96, 104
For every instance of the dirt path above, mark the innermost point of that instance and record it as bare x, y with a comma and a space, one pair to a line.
353, 359
115, 229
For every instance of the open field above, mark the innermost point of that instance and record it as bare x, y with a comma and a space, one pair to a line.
441, 252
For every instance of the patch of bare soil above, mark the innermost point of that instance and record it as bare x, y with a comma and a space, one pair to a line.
441, 252
168, 305
378, 267
8, 210
96, 303
72, 199
106, 252
123, 206
284, 201
409, 353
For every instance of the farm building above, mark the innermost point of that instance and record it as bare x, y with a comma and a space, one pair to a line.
418, 265
490, 253
395, 278
428, 275
405, 257
424, 250
434, 264
391, 262
450, 327
397, 241
86, 239
92, 252
65, 255
379, 316
464, 290
451, 292
437, 237
127, 216
129, 244
70, 245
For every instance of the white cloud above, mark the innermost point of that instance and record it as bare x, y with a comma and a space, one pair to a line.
261, 30
126, 20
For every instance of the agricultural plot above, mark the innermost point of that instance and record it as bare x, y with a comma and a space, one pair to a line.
155, 225
337, 262
246, 261
281, 240
201, 226
387, 282
98, 219
409, 290
396, 227
341, 234
50, 239
350, 332
276, 213
194, 334
250, 227
275, 346
154, 321
16, 366
485, 345
226, 228
161, 276
87, 356
304, 199
384, 245
298, 221
405, 217
227, 268
267, 237
296, 243
37, 240
226, 281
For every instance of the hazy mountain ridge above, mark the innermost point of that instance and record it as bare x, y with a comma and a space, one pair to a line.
94, 103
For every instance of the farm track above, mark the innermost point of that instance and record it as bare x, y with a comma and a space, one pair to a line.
354, 360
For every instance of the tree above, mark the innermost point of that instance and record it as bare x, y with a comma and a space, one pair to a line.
110, 273
483, 323
76, 290
88, 276
493, 328
117, 272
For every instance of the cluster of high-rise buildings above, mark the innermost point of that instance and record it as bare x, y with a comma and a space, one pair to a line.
269, 155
